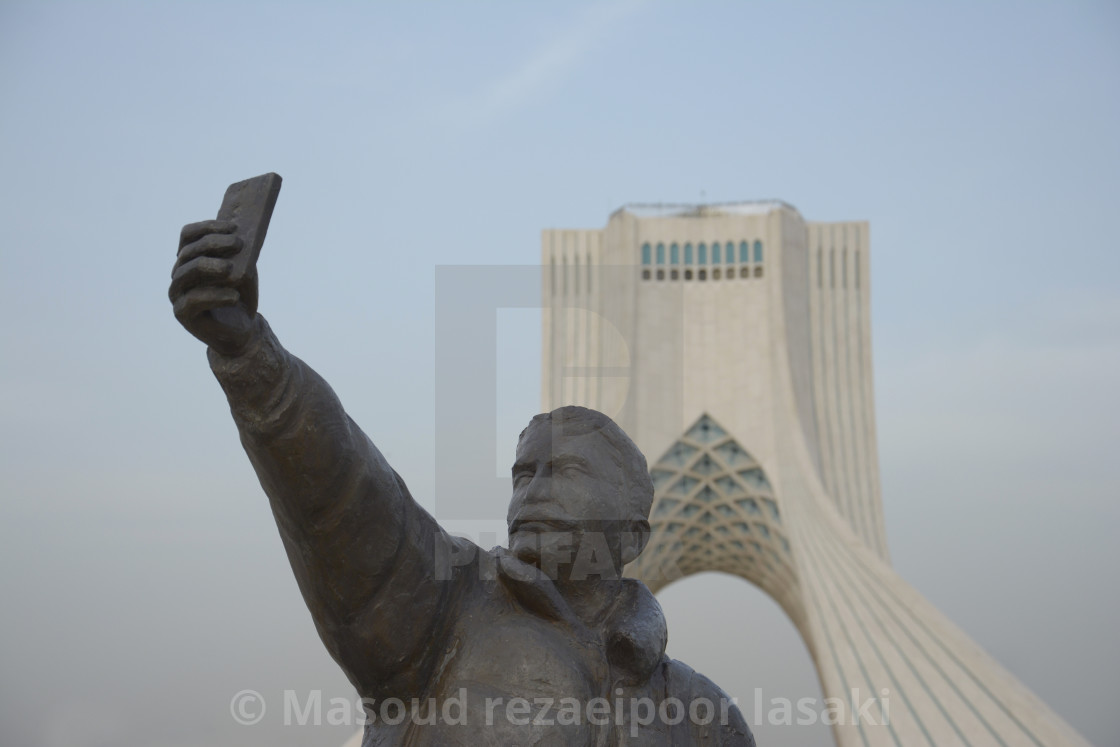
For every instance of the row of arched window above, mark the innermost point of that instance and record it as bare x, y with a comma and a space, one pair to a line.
701, 274
715, 254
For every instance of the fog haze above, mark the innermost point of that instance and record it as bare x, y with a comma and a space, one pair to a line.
143, 580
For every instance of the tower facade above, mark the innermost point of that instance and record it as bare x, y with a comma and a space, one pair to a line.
733, 343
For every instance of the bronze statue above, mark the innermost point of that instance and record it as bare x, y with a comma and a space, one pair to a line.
545, 643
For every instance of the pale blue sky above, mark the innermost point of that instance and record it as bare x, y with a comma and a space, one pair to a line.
142, 578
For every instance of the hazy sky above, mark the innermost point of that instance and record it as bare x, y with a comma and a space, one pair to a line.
142, 579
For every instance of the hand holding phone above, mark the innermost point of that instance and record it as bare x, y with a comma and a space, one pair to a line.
214, 281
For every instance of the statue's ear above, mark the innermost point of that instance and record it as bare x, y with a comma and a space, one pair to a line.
634, 540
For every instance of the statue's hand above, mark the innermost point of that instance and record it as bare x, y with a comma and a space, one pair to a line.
209, 303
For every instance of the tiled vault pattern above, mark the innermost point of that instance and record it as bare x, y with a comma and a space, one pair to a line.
715, 510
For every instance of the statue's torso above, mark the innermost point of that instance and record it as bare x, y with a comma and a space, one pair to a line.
495, 652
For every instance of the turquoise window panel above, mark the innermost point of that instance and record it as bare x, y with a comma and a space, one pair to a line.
750, 505
678, 456
705, 465
705, 430
684, 486
660, 477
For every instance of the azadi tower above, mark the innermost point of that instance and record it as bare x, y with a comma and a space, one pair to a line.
733, 343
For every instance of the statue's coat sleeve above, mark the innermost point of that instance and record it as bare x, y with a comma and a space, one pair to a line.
364, 552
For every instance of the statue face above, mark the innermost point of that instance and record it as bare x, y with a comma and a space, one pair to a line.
568, 503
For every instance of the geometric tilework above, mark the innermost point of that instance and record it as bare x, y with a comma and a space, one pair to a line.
714, 510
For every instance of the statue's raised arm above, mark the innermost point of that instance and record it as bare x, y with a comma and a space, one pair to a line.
544, 643
354, 536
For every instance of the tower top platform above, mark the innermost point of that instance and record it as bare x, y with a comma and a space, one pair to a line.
702, 210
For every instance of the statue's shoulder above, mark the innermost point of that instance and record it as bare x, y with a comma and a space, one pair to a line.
715, 719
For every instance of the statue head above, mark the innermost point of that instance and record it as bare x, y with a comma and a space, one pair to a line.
581, 496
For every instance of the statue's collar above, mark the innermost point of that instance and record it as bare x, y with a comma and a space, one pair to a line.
637, 633
634, 626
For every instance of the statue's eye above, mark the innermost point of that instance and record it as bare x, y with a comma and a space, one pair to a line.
522, 478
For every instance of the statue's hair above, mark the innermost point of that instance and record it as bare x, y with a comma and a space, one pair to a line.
572, 420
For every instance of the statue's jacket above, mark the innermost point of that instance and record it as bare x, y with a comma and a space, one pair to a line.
471, 647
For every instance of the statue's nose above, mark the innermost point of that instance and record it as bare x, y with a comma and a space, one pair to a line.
540, 489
